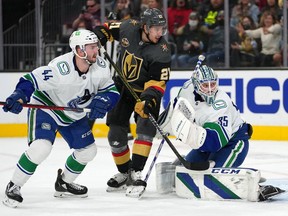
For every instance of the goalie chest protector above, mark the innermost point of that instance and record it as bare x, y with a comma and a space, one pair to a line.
218, 183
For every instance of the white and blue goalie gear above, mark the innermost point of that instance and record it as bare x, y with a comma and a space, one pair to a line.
205, 81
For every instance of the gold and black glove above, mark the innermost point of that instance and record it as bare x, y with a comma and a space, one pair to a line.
146, 106
103, 34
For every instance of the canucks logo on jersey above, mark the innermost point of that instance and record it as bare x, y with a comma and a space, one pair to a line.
63, 68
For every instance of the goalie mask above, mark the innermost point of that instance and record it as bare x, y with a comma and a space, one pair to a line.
205, 81
81, 38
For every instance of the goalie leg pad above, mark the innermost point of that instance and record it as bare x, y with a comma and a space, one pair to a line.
165, 177
218, 183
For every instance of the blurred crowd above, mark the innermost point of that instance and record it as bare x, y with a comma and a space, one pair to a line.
197, 27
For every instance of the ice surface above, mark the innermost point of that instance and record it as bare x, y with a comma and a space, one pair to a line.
268, 156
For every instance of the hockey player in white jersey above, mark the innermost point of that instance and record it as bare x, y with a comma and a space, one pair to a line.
204, 117
78, 79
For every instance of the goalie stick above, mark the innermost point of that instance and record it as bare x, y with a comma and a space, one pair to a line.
38, 106
188, 165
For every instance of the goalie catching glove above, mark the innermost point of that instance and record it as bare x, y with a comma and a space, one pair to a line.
185, 129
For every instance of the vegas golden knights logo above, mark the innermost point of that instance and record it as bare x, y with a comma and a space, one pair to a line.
131, 66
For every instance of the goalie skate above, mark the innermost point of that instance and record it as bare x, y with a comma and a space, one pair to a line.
117, 183
12, 195
135, 185
268, 191
64, 189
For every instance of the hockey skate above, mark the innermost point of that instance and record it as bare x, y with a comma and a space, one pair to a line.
135, 185
13, 196
117, 182
268, 191
64, 189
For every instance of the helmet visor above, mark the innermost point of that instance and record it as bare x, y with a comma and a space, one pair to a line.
158, 29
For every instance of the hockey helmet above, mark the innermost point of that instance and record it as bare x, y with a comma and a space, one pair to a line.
154, 17
81, 38
205, 81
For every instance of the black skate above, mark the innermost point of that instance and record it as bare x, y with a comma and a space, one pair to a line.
13, 196
64, 189
117, 182
135, 185
268, 191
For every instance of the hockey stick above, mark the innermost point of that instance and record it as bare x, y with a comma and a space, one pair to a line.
38, 106
192, 166
140, 191
154, 160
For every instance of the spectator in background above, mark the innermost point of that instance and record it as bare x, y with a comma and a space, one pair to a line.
190, 43
270, 34
260, 3
244, 53
155, 4
122, 10
244, 8
215, 55
178, 15
83, 24
144, 5
273, 7
208, 13
91, 13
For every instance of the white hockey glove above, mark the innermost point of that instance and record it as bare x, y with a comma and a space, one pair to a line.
164, 121
183, 125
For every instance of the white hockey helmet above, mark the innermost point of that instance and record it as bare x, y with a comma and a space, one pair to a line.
81, 38
205, 81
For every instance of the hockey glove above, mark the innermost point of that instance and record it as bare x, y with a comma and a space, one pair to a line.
99, 106
146, 106
103, 34
14, 102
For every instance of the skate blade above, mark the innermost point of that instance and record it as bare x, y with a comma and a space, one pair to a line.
135, 191
10, 202
119, 189
275, 195
69, 195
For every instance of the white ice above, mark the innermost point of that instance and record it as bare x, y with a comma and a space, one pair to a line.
268, 156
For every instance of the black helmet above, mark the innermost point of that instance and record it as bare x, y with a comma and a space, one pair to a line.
152, 17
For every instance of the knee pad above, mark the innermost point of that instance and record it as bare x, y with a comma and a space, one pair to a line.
39, 150
85, 155
118, 133
117, 137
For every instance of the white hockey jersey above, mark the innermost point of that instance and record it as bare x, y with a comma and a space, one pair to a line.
223, 111
59, 84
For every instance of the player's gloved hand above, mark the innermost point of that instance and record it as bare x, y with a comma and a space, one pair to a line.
146, 106
99, 106
14, 102
103, 34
